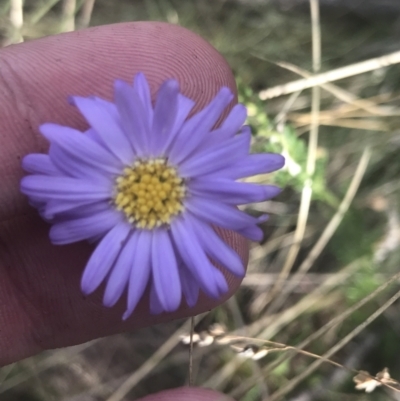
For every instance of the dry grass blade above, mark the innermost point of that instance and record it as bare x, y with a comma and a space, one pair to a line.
17, 22
4, 7
341, 94
266, 327
85, 14
302, 303
218, 381
327, 233
304, 120
331, 324
272, 324
68, 16
339, 319
56, 358
268, 279
331, 76
4, 372
272, 346
280, 119
191, 352
306, 193
239, 322
150, 363
298, 379
316, 35
40, 12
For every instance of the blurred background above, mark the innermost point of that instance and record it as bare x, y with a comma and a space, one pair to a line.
318, 305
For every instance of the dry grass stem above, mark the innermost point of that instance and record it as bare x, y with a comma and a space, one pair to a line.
280, 119
68, 16
331, 76
272, 346
239, 322
306, 193
314, 300
275, 303
4, 373
327, 233
4, 7
150, 363
17, 21
324, 329
304, 120
296, 380
56, 358
40, 12
341, 94
268, 326
191, 352
85, 14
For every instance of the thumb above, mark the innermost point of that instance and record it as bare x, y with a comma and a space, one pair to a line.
187, 394
41, 306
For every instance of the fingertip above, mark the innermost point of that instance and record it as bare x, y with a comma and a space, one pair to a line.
187, 394
45, 73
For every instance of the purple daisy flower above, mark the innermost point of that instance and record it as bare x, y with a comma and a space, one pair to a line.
148, 184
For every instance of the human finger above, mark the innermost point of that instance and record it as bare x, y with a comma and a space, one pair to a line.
187, 394
40, 300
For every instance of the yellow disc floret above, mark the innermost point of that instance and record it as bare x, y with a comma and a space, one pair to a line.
150, 193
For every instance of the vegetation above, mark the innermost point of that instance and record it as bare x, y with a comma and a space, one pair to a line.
320, 294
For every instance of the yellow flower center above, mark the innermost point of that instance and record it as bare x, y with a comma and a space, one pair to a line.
150, 193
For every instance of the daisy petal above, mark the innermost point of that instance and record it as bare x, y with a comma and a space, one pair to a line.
81, 147
217, 249
134, 120
94, 136
103, 257
120, 272
194, 257
74, 208
109, 106
245, 130
190, 287
229, 128
206, 162
165, 111
82, 228
218, 138
165, 271
253, 165
140, 272
253, 233
221, 282
63, 188
225, 216
73, 167
141, 87
233, 192
107, 127
185, 105
195, 129
155, 305
233, 123
37, 163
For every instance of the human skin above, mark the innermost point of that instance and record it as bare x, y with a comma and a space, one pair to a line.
187, 394
41, 305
